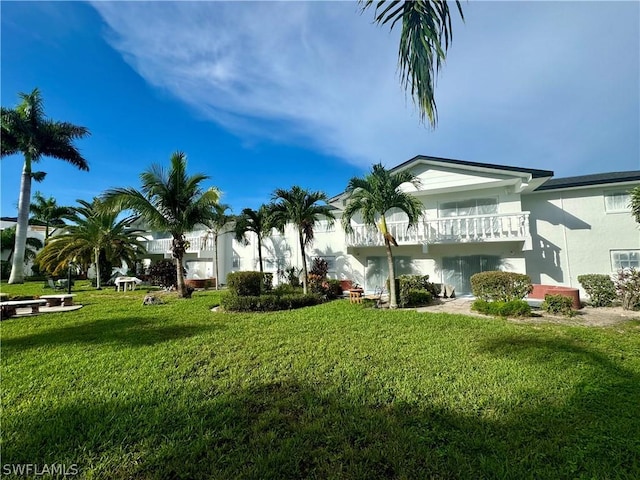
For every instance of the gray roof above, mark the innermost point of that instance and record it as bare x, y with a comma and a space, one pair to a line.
588, 180
535, 173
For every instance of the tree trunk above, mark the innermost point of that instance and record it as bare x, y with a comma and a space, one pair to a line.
215, 247
96, 252
393, 303
181, 287
178, 249
260, 253
304, 262
17, 266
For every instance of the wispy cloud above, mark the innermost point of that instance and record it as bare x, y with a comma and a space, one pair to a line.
524, 83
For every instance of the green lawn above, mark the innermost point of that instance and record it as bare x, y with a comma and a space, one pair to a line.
334, 391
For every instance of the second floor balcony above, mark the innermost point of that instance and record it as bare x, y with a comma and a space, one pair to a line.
197, 244
470, 229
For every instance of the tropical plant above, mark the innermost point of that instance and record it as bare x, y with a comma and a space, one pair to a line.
171, 201
96, 236
372, 197
258, 222
217, 224
424, 40
301, 208
8, 242
635, 203
26, 130
48, 212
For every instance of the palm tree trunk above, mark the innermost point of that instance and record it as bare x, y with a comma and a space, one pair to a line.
180, 277
304, 262
260, 253
215, 247
393, 302
96, 252
17, 266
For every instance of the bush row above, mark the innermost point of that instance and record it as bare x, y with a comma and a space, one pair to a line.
558, 304
415, 290
498, 308
600, 289
603, 290
500, 286
267, 302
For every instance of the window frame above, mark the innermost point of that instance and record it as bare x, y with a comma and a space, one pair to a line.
628, 252
613, 193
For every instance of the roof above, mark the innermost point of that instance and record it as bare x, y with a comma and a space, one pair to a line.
588, 180
535, 173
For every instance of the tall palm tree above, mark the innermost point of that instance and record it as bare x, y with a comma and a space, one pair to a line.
170, 201
49, 212
218, 222
301, 208
424, 41
372, 197
26, 130
95, 235
635, 203
258, 222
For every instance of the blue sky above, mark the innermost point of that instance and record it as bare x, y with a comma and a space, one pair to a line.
267, 95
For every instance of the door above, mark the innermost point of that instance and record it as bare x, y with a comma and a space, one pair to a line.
378, 271
458, 270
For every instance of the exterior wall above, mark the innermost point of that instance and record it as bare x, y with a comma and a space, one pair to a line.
573, 234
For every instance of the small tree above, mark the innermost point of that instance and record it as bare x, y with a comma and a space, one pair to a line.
218, 222
258, 222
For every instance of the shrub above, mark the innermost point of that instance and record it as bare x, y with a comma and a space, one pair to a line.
333, 289
267, 303
292, 275
418, 297
245, 284
558, 304
600, 289
163, 273
512, 308
5, 269
406, 283
627, 283
500, 286
319, 267
267, 282
316, 283
286, 289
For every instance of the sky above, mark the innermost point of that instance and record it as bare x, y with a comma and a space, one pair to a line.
266, 95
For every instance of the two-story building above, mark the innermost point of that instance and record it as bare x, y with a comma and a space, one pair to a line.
476, 217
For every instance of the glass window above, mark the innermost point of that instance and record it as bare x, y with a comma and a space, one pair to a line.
625, 259
331, 263
617, 201
466, 208
236, 261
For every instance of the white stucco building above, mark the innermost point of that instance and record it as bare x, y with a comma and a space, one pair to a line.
477, 217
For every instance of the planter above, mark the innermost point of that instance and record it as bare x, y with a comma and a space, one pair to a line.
200, 282
539, 291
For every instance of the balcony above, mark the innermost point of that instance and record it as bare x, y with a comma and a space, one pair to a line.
472, 229
197, 244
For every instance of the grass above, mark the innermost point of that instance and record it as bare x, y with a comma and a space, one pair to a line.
334, 391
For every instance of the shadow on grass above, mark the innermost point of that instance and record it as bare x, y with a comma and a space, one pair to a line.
127, 331
295, 430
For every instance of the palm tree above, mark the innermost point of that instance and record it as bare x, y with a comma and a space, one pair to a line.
96, 236
635, 203
424, 40
300, 207
258, 222
372, 197
218, 222
49, 212
26, 130
171, 201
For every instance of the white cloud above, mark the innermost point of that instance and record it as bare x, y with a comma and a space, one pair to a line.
522, 83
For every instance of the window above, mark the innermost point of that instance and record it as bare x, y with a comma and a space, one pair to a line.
236, 261
625, 259
616, 202
469, 208
331, 263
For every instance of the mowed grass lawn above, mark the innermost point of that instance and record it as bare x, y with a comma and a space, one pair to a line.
334, 391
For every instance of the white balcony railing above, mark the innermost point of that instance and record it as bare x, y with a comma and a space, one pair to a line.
196, 244
477, 228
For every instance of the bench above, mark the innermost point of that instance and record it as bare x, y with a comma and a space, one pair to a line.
126, 283
8, 309
65, 300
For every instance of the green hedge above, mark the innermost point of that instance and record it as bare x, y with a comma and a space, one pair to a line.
558, 304
600, 288
405, 284
268, 302
245, 283
512, 308
500, 286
